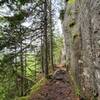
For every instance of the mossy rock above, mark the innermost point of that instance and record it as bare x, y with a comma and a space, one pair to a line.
75, 86
71, 2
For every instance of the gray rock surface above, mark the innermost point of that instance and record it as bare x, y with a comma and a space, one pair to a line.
59, 74
81, 27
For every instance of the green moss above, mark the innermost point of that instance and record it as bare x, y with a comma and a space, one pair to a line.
22, 98
71, 1
77, 91
76, 88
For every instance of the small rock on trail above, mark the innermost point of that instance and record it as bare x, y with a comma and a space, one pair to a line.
59, 75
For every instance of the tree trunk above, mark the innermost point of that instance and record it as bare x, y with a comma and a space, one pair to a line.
51, 36
22, 70
45, 39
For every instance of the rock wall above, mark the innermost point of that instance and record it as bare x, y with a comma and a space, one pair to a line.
81, 27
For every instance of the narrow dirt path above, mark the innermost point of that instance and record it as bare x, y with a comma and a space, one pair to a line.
58, 88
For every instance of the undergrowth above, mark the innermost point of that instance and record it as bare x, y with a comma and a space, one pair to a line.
36, 88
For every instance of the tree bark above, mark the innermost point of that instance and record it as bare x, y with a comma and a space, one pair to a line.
45, 40
51, 36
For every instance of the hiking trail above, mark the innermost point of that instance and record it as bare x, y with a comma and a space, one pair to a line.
58, 88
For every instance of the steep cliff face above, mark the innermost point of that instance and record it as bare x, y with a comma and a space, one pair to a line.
81, 27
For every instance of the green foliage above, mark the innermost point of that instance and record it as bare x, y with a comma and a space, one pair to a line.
36, 88
2, 92
17, 18
58, 45
18, 63
8, 76
21, 1
33, 66
7, 89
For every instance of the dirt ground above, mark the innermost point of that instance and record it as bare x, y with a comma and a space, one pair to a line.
58, 88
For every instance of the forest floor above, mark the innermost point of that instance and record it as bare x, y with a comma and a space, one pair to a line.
58, 88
